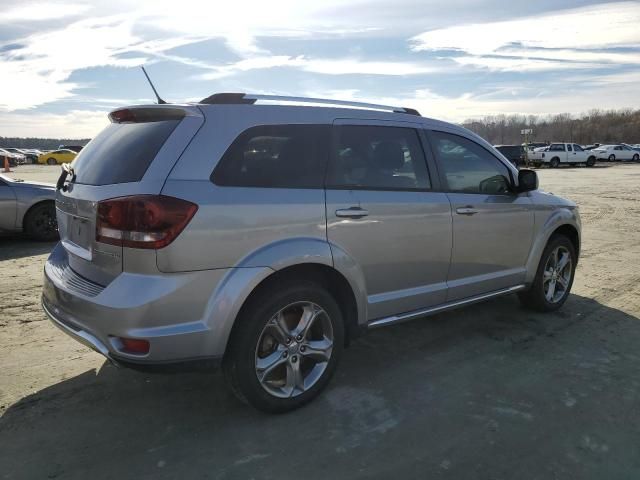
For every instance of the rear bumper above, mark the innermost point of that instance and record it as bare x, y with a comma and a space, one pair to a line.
171, 311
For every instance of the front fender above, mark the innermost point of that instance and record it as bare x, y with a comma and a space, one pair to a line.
550, 219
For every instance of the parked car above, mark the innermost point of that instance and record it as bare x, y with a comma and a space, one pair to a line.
56, 157
75, 148
14, 158
590, 147
514, 153
209, 233
563, 153
21, 157
28, 207
616, 152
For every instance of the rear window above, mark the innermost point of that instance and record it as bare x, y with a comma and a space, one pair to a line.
122, 152
275, 156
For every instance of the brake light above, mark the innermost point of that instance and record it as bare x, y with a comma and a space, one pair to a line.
142, 221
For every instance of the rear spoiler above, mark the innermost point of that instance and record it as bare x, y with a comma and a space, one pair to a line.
146, 114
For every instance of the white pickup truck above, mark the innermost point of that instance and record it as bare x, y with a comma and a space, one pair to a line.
558, 153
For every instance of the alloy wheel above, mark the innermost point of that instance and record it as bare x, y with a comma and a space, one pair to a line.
294, 349
557, 274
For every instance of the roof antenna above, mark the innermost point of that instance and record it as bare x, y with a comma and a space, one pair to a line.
160, 101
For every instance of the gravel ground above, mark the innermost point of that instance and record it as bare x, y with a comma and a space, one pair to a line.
487, 392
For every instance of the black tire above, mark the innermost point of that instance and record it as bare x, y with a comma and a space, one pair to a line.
636, 157
591, 161
612, 158
51, 161
555, 162
534, 297
40, 222
537, 164
239, 364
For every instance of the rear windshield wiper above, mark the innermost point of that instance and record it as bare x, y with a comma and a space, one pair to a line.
66, 171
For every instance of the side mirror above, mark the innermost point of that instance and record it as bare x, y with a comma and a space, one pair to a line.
527, 180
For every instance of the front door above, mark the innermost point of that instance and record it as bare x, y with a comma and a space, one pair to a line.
383, 214
492, 226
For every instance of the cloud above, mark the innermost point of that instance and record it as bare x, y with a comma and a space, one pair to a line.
42, 11
72, 124
327, 66
38, 70
568, 36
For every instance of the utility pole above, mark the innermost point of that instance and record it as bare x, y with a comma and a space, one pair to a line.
526, 132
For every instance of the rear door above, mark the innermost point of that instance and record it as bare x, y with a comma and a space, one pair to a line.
131, 156
492, 226
383, 211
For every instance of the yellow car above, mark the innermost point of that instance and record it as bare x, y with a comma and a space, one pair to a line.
57, 157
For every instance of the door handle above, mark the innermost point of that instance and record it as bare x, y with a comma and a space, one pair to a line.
352, 212
468, 210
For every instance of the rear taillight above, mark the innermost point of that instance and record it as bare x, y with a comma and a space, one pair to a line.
142, 221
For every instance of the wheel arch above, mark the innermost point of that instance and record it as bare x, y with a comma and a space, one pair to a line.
563, 221
571, 232
327, 276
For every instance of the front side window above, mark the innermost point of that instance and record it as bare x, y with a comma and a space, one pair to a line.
276, 156
468, 167
578, 148
377, 157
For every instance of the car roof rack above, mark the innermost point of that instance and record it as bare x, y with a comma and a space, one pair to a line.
250, 99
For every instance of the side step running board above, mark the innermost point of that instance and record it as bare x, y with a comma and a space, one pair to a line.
403, 317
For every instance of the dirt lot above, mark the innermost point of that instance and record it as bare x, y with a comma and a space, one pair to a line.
488, 392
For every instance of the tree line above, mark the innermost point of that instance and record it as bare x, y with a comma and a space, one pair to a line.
596, 126
40, 143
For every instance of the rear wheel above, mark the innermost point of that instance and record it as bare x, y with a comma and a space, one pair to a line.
612, 158
554, 277
636, 157
51, 161
286, 346
40, 222
555, 162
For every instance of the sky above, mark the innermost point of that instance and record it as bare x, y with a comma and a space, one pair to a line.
65, 64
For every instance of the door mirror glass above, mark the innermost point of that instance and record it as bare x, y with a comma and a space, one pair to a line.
527, 180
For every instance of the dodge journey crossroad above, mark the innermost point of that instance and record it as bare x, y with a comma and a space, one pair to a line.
263, 234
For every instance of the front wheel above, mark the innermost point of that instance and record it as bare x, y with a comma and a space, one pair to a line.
51, 161
285, 347
554, 277
555, 163
612, 158
636, 157
591, 162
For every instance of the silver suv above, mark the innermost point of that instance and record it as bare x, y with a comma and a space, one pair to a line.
265, 236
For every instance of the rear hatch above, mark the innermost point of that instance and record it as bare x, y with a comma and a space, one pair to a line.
131, 156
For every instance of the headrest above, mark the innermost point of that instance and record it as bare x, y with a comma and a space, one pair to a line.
388, 155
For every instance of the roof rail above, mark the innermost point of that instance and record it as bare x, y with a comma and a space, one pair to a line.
245, 98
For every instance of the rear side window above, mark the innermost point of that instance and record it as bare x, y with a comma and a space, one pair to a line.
275, 156
122, 152
375, 157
